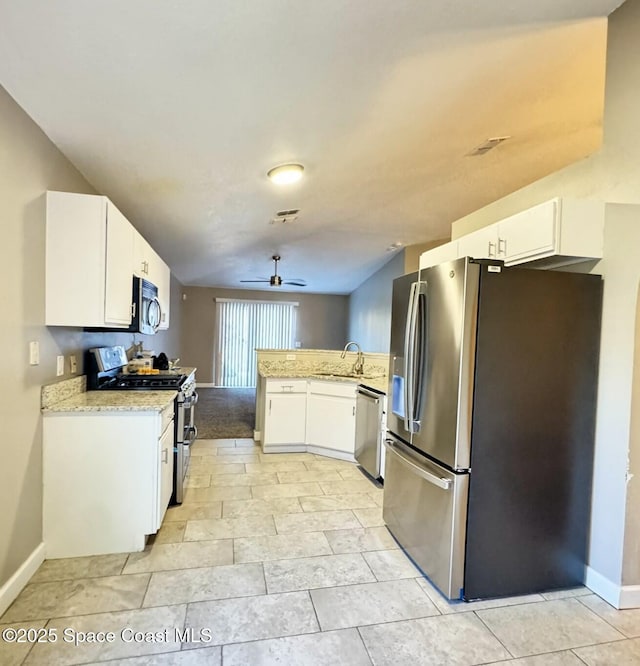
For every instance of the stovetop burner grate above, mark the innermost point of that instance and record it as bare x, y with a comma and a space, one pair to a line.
125, 382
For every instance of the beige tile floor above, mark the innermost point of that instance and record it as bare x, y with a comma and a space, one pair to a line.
284, 559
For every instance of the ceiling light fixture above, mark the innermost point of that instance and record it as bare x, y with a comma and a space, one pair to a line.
284, 174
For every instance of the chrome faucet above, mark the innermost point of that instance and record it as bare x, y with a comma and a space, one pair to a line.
359, 364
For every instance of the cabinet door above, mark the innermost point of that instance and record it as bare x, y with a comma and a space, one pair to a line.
141, 256
285, 418
331, 422
528, 234
165, 471
481, 244
118, 279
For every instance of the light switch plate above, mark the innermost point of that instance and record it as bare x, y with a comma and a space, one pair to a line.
34, 353
59, 366
73, 366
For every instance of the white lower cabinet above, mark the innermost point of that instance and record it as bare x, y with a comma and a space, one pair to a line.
165, 471
310, 415
284, 421
331, 417
107, 480
284, 415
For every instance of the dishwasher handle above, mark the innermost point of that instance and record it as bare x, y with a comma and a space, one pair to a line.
368, 394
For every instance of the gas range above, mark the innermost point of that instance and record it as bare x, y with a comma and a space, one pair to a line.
107, 370
130, 381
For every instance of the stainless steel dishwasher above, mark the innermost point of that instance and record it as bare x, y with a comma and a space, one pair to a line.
369, 408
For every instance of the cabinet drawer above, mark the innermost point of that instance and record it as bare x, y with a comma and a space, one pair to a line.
166, 417
338, 389
286, 386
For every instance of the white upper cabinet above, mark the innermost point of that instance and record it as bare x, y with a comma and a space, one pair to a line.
439, 255
88, 262
117, 277
92, 253
481, 244
554, 233
142, 256
148, 265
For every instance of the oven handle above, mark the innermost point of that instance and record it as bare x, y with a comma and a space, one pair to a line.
189, 435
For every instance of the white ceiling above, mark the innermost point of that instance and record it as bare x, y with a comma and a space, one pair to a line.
176, 110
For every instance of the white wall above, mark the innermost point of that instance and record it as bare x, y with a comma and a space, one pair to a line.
370, 308
612, 174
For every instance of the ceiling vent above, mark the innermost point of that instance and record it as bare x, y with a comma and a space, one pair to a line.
285, 216
488, 145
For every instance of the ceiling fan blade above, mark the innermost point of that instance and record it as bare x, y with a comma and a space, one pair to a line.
295, 283
254, 280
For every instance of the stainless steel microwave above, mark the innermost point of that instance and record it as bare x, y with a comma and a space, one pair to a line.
146, 313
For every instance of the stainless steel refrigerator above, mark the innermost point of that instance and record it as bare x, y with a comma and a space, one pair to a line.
491, 418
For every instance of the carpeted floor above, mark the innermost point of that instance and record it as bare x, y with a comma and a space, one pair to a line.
223, 413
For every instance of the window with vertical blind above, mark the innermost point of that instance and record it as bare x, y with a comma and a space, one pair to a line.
243, 327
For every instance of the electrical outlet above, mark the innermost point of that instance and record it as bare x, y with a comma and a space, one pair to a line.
59, 366
291, 357
73, 366
298, 344
34, 353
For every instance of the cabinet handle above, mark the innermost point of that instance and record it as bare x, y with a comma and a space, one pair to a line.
354, 410
502, 246
492, 245
269, 406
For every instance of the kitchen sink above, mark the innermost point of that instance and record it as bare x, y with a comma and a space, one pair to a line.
349, 375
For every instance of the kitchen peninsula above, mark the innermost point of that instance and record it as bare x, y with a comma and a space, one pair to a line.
306, 399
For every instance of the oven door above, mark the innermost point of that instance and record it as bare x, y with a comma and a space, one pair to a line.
186, 433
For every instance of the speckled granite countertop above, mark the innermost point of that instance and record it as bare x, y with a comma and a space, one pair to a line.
378, 383
114, 401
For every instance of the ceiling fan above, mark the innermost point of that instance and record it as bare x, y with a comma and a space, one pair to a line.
275, 280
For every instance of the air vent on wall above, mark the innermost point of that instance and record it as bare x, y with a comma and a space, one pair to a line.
285, 216
488, 145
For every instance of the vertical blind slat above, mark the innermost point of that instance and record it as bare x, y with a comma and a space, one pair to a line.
243, 327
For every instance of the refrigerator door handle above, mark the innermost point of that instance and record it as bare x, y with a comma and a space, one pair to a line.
441, 482
409, 349
419, 360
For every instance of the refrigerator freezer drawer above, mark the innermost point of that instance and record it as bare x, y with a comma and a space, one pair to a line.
425, 509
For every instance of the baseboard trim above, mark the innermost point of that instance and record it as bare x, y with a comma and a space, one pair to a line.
330, 453
257, 436
619, 596
12, 588
602, 586
205, 385
629, 597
